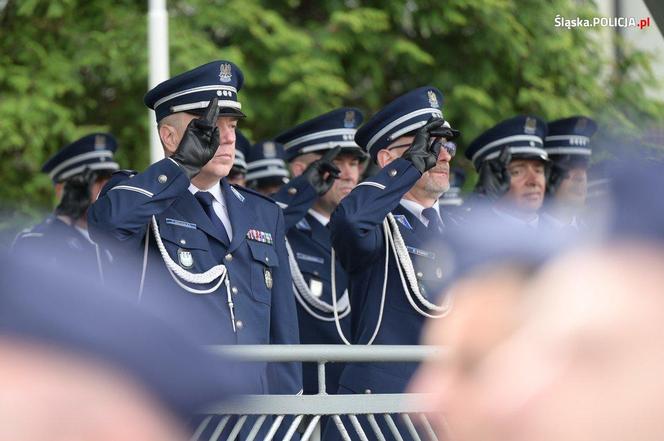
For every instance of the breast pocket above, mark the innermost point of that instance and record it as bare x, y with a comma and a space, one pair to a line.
264, 262
188, 247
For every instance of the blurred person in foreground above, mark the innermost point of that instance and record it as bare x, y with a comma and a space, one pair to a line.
586, 363
78, 364
493, 263
512, 165
78, 171
568, 146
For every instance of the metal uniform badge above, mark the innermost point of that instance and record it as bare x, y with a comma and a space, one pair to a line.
268, 278
185, 258
100, 142
433, 99
349, 119
316, 287
269, 150
225, 73
531, 126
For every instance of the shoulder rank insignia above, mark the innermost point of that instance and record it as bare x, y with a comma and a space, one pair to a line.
237, 194
403, 220
303, 225
260, 236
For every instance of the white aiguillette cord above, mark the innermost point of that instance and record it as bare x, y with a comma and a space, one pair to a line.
394, 240
307, 299
216, 272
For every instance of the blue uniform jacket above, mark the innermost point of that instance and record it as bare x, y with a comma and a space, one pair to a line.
311, 243
57, 244
359, 241
256, 259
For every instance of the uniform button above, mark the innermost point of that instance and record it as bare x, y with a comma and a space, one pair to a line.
419, 274
367, 391
162, 179
183, 242
218, 92
234, 290
439, 273
292, 191
315, 273
239, 324
267, 259
392, 173
228, 257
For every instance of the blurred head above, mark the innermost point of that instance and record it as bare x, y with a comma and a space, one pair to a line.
171, 131
484, 315
527, 185
49, 395
79, 192
587, 363
349, 165
433, 182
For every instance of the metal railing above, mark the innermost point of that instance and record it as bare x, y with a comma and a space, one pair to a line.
306, 412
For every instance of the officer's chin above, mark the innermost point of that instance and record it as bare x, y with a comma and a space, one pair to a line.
218, 167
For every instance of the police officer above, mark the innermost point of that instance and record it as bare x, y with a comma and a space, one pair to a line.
325, 161
213, 250
78, 171
238, 173
266, 169
568, 145
512, 165
386, 233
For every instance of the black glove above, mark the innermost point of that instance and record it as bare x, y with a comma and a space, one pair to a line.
322, 173
494, 178
199, 142
421, 152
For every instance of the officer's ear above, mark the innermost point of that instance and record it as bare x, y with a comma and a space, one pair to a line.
297, 168
169, 138
384, 157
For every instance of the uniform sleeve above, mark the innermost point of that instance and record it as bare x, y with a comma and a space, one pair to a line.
356, 224
283, 378
125, 206
295, 199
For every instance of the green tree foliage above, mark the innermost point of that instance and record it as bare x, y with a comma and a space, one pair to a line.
68, 67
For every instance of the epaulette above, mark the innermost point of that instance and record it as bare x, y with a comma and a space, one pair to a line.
125, 172
117, 177
240, 189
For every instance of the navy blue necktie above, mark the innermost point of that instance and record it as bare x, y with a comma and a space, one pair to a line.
435, 224
205, 198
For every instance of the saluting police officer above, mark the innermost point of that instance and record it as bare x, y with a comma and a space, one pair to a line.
386, 234
214, 250
512, 165
266, 168
568, 145
325, 161
78, 171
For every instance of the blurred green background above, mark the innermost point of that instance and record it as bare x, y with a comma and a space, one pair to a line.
68, 67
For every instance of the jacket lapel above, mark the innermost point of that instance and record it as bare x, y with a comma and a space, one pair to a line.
319, 233
239, 214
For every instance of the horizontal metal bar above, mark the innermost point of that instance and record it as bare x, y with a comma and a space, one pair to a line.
322, 404
330, 353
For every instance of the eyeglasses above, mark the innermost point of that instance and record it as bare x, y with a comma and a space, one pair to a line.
447, 145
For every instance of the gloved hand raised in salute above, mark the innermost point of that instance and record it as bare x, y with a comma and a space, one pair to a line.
423, 153
199, 142
322, 173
